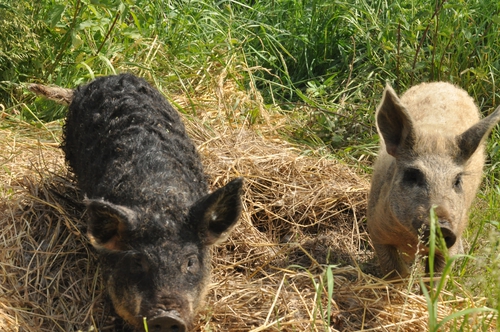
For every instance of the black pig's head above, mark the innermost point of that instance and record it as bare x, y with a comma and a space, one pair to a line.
155, 266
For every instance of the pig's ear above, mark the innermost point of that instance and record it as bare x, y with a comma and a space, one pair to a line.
394, 123
469, 140
108, 224
217, 213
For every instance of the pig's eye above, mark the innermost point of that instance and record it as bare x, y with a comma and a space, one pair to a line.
457, 183
192, 264
414, 177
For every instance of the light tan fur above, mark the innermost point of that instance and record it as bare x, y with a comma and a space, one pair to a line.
59, 95
431, 154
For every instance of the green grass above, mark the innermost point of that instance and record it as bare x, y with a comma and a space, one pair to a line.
433, 292
323, 62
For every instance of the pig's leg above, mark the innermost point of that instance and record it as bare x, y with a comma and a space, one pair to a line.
390, 261
440, 260
439, 263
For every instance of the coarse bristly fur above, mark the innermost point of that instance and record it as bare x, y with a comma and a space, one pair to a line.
431, 155
124, 142
150, 215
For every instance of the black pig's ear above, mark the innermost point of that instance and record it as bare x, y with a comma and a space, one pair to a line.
108, 224
218, 212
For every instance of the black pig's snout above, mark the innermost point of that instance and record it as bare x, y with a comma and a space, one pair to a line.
166, 321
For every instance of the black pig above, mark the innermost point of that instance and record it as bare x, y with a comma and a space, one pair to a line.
150, 217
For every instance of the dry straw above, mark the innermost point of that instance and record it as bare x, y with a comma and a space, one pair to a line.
303, 215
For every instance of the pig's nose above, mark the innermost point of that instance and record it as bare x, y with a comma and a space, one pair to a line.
166, 322
449, 237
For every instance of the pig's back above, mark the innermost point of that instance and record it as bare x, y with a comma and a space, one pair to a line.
126, 143
441, 106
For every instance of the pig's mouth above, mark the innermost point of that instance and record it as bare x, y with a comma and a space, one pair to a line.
166, 321
448, 235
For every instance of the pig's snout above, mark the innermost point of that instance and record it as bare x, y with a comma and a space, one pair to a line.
166, 321
448, 235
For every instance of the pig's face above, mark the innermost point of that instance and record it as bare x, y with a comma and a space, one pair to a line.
425, 182
163, 283
156, 266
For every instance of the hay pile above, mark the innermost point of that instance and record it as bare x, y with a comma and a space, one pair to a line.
301, 213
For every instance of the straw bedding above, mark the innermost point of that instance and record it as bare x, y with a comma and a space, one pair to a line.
303, 216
